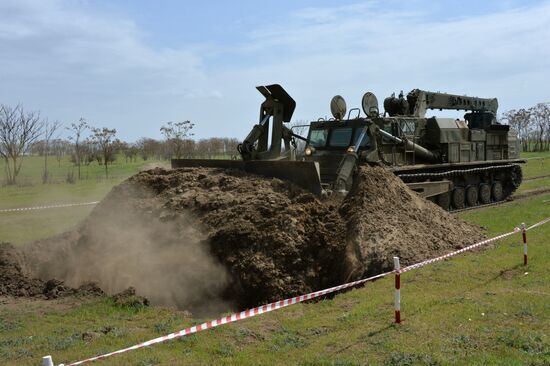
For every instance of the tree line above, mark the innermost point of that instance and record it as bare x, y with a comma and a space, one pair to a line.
24, 133
532, 125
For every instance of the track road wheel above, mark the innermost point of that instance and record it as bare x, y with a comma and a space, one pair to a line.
484, 193
444, 201
458, 198
471, 196
496, 190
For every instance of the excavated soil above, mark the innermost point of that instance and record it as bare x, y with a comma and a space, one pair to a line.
386, 219
15, 281
197, 237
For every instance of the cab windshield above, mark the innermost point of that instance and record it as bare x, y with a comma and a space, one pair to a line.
340, 137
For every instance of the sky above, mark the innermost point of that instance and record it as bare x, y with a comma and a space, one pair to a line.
134, 65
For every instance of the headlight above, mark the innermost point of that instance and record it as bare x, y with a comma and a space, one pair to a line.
351, 149
309, 150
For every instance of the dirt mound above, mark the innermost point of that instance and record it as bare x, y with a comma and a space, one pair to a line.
201, 236
197, 237
386, 219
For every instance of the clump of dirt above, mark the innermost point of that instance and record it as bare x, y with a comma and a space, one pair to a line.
129, 298
209, 239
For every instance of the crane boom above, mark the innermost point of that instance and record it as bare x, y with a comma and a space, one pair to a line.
421, 100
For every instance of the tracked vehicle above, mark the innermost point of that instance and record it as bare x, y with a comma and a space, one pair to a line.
455, 163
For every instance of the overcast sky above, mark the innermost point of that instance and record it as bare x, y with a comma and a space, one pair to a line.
136, 64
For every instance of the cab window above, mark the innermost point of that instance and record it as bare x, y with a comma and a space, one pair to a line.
340, 137
318, 138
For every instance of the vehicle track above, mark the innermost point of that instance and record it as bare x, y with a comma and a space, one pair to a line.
517, 197
537, 177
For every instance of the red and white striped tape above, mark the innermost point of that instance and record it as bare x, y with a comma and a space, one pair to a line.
539, 224
452, 254
236, 317
49, 206
298, 299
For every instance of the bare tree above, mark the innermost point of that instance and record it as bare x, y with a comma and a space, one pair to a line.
49, 130
60, 148
78, 131
540, 116
18, 130
175, 134
149, 148
520, 120
104, 139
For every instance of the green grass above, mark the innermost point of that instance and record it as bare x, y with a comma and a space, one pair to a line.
21, 227
536, 167
483, 308
33, 166
18, 227
534, 184
539, 167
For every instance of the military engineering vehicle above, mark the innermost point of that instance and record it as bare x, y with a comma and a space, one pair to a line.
455, 163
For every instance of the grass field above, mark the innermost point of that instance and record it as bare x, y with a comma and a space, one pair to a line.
33, 167
18, 228
481, 308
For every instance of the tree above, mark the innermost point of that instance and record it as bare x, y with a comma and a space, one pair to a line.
520, 120
175, 134
540, 116
104, 139
60, 148
149, 148
78, 130
49, 130
18, 131
130, 151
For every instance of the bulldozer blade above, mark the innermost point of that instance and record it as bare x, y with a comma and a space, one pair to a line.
304, 174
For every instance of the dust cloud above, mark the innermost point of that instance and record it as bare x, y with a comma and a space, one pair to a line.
123, 244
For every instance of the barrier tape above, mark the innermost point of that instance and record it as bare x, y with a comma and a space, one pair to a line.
452, 254
538, 224
49, 206
470, 247
236, 317
294, 300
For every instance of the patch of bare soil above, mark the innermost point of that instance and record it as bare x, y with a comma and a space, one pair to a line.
212, 239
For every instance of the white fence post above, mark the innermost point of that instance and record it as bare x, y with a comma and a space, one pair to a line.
47, 361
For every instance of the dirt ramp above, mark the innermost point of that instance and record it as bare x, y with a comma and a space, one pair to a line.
385, 219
